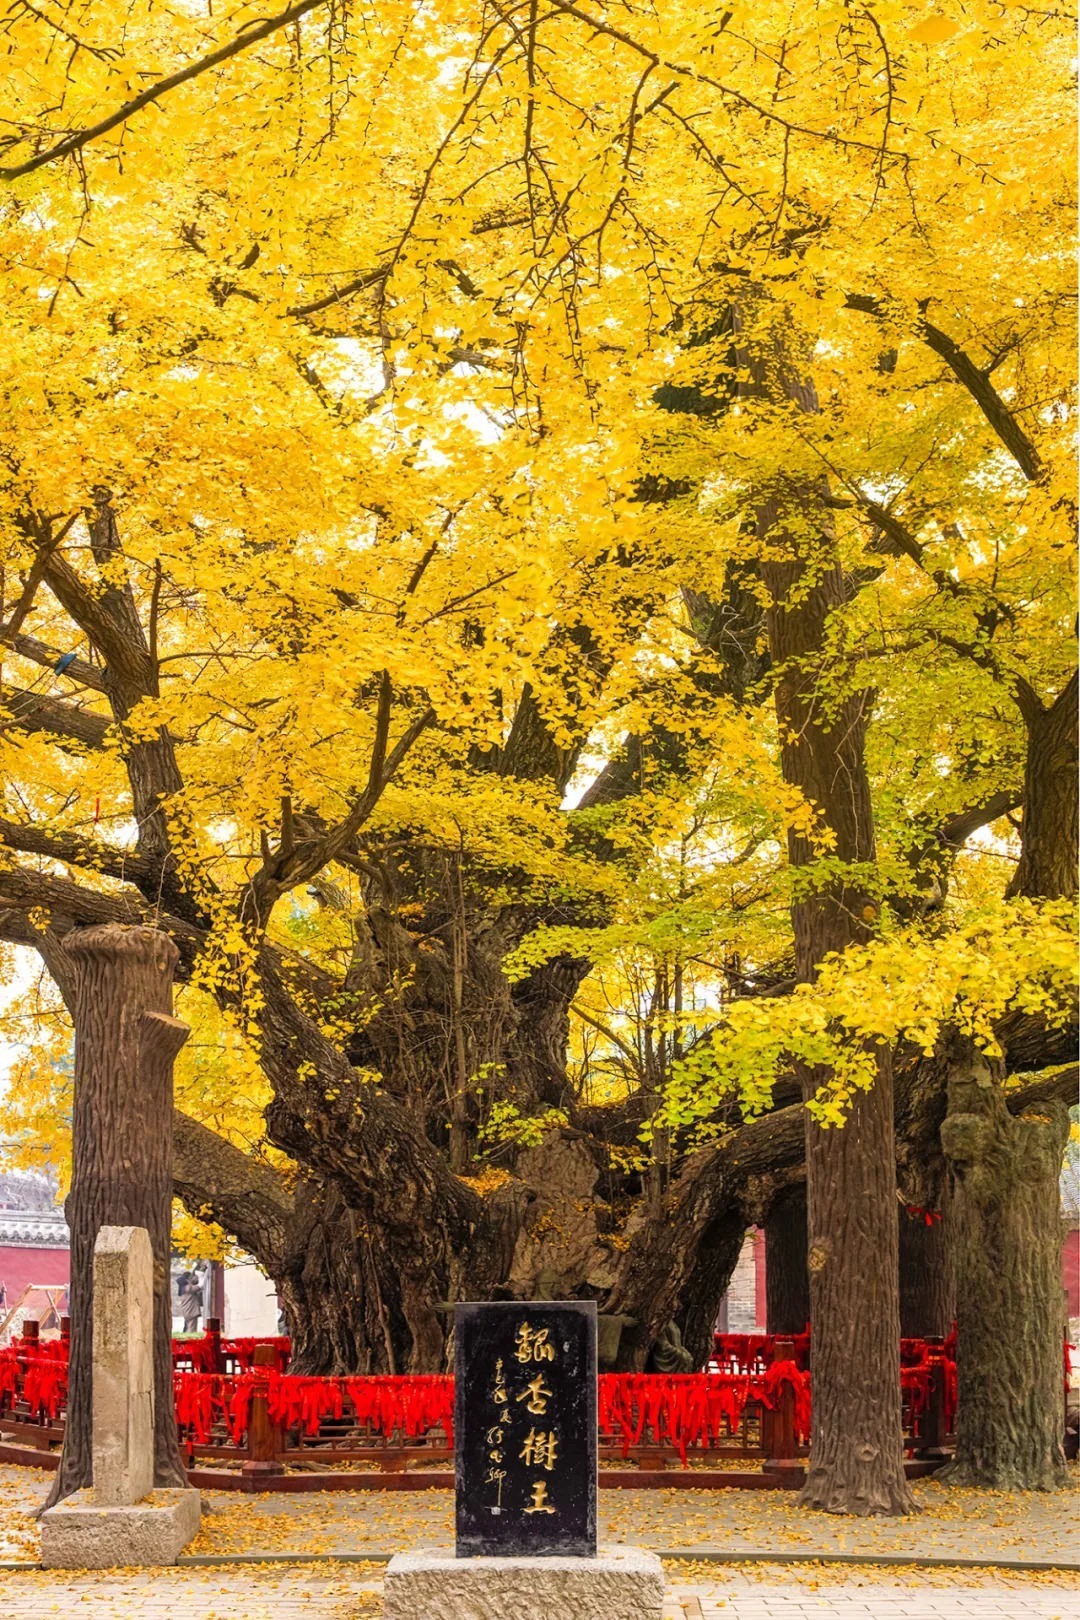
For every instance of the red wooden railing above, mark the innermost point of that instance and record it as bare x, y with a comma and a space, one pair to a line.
246, 1424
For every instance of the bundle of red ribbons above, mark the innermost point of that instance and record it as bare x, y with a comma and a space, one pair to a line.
680, 1410
206, 1354
36, 1373
752, 1352
408, 1406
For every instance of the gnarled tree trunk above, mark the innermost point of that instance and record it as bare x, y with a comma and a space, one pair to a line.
119, 984
856, 1455
1010, 1301
1048, 864
787, 1281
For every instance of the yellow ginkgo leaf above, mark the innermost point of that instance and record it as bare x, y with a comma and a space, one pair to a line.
933, 30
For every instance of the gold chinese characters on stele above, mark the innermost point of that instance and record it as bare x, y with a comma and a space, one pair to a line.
525, 1428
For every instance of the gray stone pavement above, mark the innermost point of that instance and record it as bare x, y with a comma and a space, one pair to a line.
352, 1592
829, 1602
959, 1524
987, 1525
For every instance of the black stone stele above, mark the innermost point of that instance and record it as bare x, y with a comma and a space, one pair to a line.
525, 1429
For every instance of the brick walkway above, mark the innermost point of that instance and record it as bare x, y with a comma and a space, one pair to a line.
877, 1603
352, 1593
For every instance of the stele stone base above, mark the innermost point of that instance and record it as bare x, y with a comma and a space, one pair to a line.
77, 1534
620, 1583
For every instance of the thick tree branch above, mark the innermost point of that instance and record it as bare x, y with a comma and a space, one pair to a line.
30, 711
75, 669
154, 92
47, 539
1020, 689
125, 658
110, 618
1062, 1087
69, 905
955, 830
979, 386
215, 1180
76, 850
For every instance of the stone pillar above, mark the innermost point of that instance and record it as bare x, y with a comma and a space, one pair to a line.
123, 1382
125, 1519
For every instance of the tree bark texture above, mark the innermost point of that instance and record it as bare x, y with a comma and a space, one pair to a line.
1010, 1301
787, 1281
1048, 856
336, 1279
927, 1285
120, 984
677, 1267
856, 1455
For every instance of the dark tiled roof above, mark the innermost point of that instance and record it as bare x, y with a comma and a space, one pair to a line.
33, 1229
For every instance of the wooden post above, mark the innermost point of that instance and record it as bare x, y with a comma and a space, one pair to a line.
213, 1339
931, 1428
780, 1446
264, 1437
65, 1329
31, 1330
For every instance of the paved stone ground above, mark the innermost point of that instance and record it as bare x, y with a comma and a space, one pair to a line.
960, 1524
352, 1592
1011, 1526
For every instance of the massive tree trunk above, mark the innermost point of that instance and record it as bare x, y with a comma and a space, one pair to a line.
336, 1282
678, 1266
1048, 858
120, 985
856, 1456
927, 1280
338, 1290
1010, 1301
787, 1281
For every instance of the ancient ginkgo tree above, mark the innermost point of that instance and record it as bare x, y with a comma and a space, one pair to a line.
421, 420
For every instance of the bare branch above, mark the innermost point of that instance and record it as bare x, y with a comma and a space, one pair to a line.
312, 858
154, 92
370, 278
977, 382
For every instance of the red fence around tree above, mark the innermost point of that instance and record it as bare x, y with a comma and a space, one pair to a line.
245, 1423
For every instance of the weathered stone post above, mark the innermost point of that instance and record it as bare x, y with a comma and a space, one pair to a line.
123, 1394
124, 1520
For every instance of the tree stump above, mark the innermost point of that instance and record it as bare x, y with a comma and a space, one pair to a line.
120, 995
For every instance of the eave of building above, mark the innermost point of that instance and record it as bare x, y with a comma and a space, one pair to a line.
33, 1229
